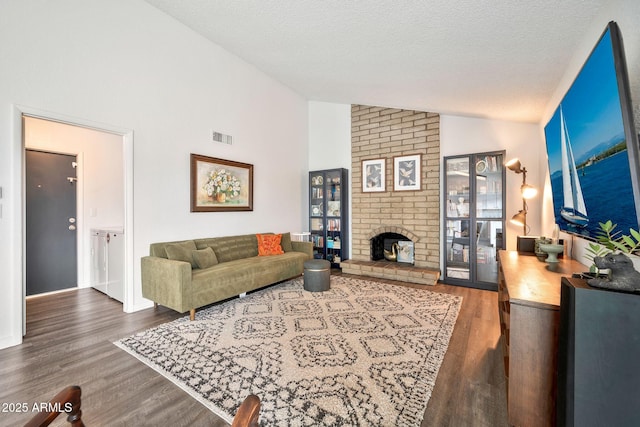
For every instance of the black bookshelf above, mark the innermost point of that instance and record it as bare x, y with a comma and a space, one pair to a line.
328, 214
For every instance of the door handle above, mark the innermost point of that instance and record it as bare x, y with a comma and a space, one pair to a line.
72, 227
72, 220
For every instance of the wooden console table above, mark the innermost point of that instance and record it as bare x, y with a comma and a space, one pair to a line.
529, 306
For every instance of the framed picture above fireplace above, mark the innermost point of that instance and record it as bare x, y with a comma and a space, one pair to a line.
406, 173
373, 175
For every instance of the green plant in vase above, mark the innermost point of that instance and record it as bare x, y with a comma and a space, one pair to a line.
611, 240
595, 250
615, 241
622, 274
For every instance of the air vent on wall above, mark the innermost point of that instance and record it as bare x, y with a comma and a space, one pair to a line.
220, 137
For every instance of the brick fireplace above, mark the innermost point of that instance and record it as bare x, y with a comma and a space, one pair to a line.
378, 132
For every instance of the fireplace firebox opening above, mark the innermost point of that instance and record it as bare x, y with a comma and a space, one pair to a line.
393, 247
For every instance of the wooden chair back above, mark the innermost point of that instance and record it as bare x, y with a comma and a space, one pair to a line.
68, 400
248, 412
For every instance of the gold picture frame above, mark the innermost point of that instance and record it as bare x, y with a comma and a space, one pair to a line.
219, 185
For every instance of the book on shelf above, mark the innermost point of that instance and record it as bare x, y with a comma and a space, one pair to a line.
333, 225
317, 193
492, 164
318, 241
336, 242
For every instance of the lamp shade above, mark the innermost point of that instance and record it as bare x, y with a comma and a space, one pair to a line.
514, 165
520, 218
528, 191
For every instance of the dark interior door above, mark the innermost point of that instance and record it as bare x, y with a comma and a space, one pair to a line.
51, 251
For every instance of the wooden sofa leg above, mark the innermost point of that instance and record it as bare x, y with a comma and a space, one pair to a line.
192, 314
155, 305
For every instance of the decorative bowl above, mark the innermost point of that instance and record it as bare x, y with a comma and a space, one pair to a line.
539, 253
552, 251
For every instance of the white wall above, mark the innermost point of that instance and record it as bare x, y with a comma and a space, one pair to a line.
464, 135
329, 143
100, 177
127, 65
329, 135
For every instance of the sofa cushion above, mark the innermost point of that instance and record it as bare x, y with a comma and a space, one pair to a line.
269, 244
182, 251
244, 275
205, 258
285, 242
231, 248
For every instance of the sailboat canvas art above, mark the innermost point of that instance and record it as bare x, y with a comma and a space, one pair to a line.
592, 145
573, 209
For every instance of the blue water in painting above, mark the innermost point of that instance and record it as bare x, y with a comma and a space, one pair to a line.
606, 187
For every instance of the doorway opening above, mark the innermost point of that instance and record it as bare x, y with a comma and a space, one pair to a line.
104, 185
98, 183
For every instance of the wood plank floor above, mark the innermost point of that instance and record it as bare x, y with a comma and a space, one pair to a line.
70, 341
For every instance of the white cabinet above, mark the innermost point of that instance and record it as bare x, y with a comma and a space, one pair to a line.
107, 261
99, 260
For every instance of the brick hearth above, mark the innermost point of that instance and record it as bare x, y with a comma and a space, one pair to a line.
391, 271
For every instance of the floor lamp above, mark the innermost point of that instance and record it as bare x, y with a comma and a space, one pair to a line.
527, 191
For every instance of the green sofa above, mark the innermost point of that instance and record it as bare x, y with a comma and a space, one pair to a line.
190, 274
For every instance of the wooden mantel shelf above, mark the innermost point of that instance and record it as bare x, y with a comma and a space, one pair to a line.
529, 306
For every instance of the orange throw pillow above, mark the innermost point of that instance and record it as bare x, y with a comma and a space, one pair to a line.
269, 244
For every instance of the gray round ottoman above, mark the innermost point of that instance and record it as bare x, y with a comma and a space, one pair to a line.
316, 275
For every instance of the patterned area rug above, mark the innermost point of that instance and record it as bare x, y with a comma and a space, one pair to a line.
361, 354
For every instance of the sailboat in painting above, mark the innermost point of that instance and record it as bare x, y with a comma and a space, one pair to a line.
574, 210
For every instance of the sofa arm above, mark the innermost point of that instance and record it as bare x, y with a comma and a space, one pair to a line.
167, 282
306, 247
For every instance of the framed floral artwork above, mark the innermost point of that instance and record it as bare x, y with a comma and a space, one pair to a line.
373, 175
406, 173
219, 185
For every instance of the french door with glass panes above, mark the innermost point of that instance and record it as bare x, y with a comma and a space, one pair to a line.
474, 200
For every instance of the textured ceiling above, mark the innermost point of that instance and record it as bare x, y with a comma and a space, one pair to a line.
498, 59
